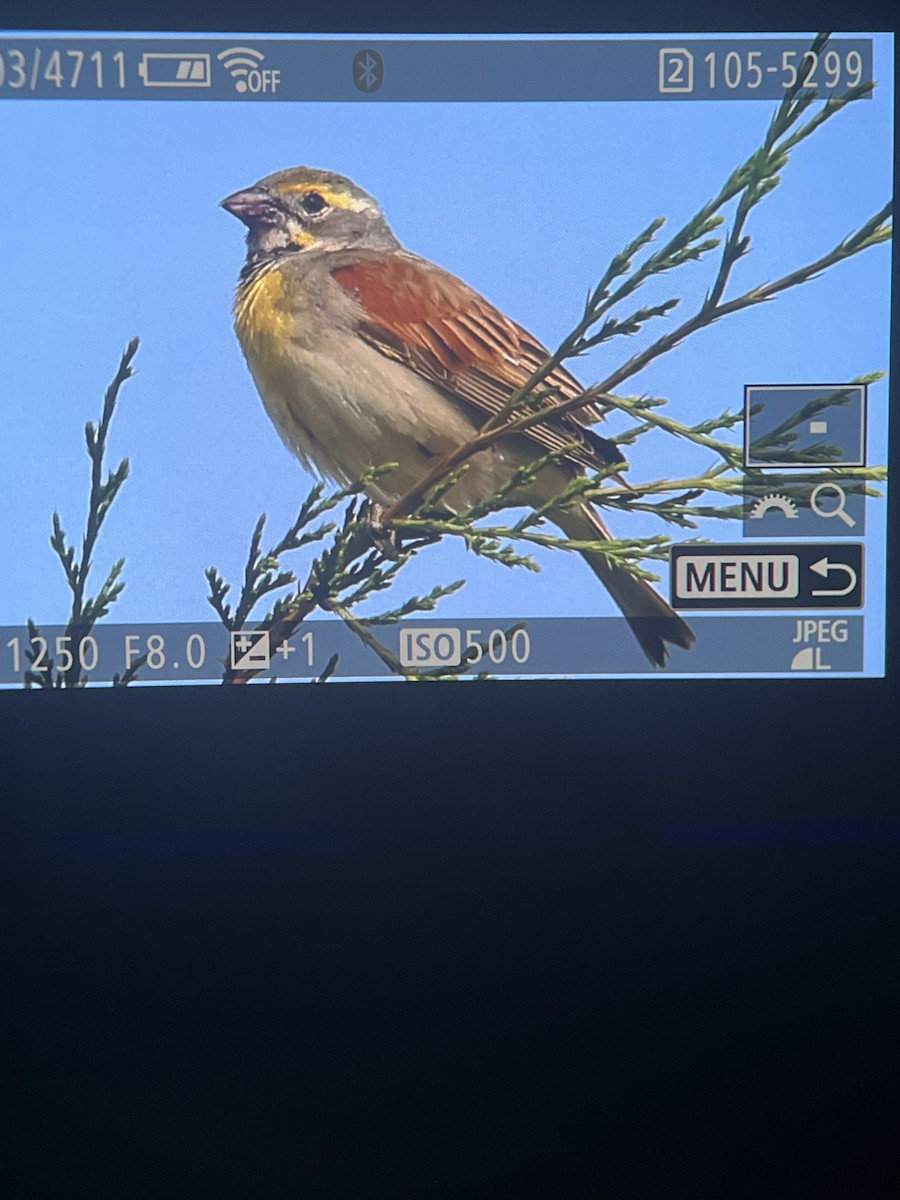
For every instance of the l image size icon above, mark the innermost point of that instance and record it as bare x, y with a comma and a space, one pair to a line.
793, 575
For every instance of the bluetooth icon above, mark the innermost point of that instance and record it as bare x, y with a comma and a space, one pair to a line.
368, 70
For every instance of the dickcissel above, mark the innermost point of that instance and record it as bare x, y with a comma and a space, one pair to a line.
364, 354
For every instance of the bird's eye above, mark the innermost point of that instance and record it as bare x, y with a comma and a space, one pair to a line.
313, 204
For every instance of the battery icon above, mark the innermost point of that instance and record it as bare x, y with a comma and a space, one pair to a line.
175, 70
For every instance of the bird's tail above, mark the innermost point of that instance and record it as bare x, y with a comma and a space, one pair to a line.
653, 621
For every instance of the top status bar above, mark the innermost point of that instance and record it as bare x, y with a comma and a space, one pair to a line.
423, 70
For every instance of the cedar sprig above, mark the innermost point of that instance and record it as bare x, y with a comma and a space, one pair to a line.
86, 610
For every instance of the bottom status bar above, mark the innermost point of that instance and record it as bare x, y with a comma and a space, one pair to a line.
758, 644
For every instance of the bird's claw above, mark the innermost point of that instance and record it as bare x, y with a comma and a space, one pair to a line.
383, 537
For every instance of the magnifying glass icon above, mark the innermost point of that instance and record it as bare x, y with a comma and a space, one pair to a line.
839, 511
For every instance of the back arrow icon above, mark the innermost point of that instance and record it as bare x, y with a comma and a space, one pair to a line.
822, 567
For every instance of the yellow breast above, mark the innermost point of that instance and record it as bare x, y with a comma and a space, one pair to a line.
261, 310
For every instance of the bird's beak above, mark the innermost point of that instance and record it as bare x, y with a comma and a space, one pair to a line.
251, 205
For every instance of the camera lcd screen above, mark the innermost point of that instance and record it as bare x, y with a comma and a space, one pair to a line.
334, 358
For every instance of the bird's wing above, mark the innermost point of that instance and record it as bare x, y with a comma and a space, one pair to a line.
439, 327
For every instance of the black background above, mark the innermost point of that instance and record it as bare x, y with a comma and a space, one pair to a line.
599, 939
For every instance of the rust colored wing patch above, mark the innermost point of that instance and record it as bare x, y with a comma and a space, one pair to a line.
440, 327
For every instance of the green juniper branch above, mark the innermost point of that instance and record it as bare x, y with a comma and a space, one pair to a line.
488, 542
354, 561
262, 574
86, 610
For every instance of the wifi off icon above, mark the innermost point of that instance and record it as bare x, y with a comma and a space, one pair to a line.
244, 65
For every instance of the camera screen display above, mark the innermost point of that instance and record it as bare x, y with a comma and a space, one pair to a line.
422, 358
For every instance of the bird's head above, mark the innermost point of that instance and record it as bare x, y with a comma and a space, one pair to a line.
304, 210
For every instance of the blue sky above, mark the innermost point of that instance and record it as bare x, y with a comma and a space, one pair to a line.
111, 228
